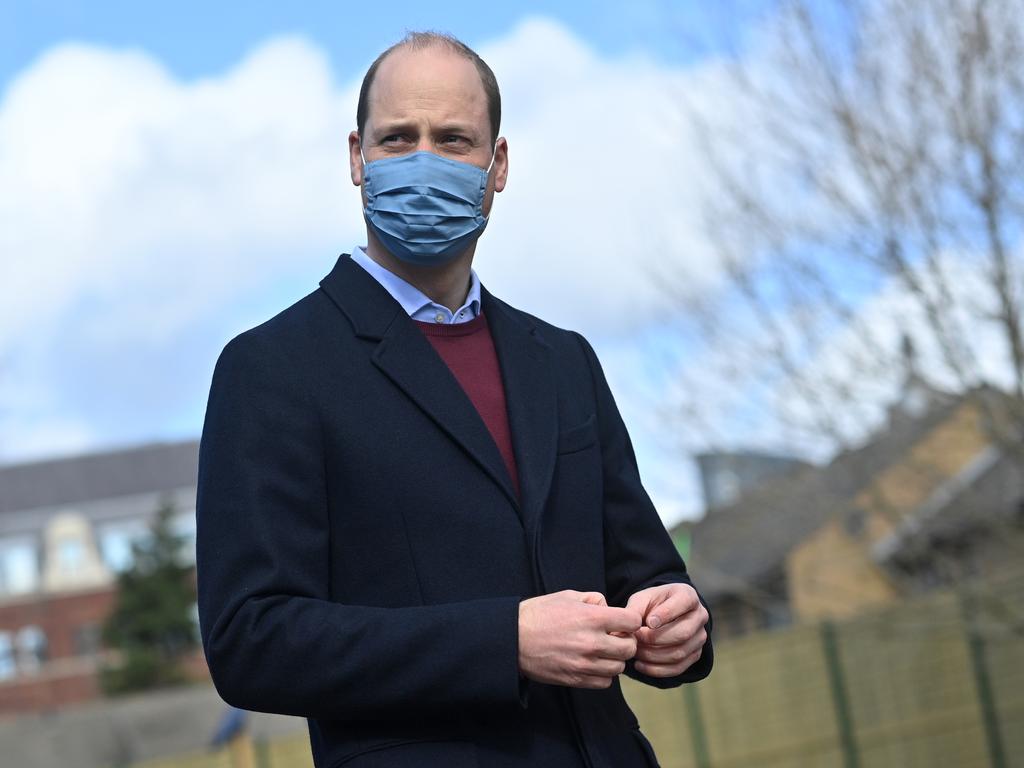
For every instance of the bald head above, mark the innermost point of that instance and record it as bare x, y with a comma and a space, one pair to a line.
417, 41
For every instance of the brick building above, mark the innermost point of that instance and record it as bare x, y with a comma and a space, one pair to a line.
931, 500
66, 529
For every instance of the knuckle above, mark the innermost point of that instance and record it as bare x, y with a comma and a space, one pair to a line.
579, 645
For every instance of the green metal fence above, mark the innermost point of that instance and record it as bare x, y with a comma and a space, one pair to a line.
933, 682
930, 683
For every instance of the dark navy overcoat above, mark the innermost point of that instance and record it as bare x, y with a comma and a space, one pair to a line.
361, 551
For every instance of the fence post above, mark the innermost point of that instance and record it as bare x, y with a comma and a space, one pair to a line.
697, 734
262, 752
983, 685
837, 685
241, 750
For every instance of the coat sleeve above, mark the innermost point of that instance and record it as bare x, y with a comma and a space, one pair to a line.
274, 639
639, 552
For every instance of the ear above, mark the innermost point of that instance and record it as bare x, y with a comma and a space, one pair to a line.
500, 163
355, 160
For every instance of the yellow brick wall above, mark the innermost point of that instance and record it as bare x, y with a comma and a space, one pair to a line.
831, 575
940, 455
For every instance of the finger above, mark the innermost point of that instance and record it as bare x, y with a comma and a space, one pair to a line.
671, 654
603, 667
678, 631
617, 648
640, 601
668, 670
610, 619
592, 598
669, 603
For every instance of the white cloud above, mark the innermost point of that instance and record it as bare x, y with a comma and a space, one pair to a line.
604, 181
146, 219
140, 211
152, 199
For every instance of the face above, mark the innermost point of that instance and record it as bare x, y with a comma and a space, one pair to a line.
429, 99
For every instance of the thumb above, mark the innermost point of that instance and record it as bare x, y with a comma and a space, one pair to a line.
640, 602
593, 598
660, 597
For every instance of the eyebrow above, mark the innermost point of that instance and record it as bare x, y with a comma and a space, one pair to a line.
456, 128
401, 125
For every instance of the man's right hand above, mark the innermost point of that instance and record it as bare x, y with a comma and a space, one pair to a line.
565, 638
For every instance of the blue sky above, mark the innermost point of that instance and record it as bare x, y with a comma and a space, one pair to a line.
200, 38
176, 174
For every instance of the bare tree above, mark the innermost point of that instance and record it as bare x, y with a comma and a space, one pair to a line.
862, 150
867, 146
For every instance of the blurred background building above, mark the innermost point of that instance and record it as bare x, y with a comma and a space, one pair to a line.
67, 526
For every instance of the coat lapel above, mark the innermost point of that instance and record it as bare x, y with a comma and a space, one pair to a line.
525, 361
405, 356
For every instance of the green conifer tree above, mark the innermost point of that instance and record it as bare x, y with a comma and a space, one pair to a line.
152, 624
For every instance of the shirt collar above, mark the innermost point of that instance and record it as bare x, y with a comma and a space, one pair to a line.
416, 303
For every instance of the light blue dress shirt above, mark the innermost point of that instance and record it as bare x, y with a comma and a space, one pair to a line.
416, 303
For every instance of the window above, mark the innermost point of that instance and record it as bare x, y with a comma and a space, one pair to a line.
30, 648
727, 487
70, 555
116, 542
87, 639
7, 666
19, 565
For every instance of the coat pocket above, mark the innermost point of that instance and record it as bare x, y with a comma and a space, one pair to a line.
578, 437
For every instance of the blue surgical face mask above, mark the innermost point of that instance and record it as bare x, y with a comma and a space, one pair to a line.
424, 208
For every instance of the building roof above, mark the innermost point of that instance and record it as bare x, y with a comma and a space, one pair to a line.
985, 496
740, 547
163, 466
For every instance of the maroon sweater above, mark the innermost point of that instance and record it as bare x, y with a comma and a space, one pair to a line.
468, 350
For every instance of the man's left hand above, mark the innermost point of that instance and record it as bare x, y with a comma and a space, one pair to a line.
672, 636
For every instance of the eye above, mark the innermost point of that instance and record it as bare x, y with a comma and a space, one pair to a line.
393, 138
454, 140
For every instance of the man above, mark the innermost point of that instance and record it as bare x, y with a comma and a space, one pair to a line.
420, 522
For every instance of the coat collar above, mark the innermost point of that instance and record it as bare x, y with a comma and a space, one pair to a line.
404, 355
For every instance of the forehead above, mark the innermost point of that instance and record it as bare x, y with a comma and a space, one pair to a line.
435, 82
